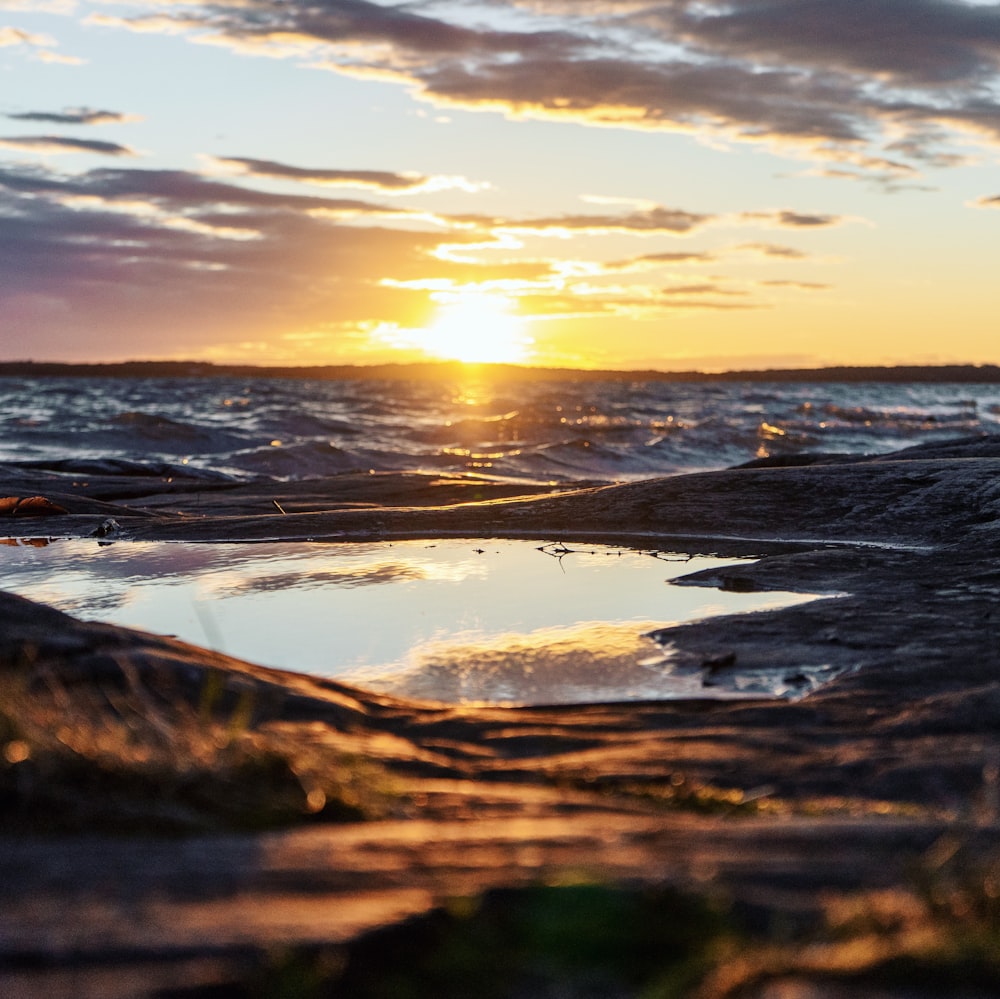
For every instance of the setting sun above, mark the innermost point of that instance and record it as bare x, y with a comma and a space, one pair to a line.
477, 328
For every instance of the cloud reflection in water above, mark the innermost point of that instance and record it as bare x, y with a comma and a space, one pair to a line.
455, 620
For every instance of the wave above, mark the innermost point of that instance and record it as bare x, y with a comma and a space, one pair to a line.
546, 431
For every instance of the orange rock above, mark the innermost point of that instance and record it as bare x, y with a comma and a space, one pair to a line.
29, 506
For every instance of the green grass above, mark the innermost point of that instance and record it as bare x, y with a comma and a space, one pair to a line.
593, 941
586, 941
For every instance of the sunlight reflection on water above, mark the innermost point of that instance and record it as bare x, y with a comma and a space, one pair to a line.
460, 621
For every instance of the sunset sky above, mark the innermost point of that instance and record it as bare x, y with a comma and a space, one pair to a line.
591, 183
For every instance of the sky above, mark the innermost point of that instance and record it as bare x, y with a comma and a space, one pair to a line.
671, 184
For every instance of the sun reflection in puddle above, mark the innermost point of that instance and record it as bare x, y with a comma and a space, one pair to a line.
454, 620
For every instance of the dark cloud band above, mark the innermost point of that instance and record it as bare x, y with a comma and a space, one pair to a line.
63, 144
71, 116
382, 179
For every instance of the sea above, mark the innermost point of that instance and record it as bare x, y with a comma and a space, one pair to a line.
558, 431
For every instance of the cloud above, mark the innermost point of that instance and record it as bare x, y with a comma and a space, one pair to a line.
655, 220
185, 191
910, 43
800, 285
772, 250
160, 24
59, 59
40, 45
582, 299
354, 33
10, 37
792, 220
928, 145
653, 261
701, 288
73, 116
166, 261
40, 6
678, 95
875, 86
387, 182
987, 201
48, 145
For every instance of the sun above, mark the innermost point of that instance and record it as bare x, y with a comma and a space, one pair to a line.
477, 328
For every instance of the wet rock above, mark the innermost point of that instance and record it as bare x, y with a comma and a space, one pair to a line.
718, 660
109, 528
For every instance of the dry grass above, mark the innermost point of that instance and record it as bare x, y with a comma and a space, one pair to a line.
114, 758
938, 935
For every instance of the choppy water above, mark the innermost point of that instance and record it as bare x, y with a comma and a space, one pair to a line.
546, 431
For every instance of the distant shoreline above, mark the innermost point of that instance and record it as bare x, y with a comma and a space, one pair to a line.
453, 370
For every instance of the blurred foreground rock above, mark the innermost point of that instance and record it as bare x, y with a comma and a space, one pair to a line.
771, 811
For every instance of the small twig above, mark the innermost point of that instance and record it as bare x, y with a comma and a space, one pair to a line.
669, 556
279, 507
558, 551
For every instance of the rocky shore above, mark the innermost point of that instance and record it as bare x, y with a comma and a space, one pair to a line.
847, 843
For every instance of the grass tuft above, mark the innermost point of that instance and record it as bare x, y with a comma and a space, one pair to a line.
111, 759
938, 935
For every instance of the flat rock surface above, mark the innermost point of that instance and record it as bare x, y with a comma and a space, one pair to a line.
861, 778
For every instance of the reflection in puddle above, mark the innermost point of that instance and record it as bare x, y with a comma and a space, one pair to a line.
699, 679
459, 621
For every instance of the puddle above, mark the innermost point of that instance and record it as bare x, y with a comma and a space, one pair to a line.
459, 621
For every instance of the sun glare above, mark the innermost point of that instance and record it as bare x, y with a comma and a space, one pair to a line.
477, 328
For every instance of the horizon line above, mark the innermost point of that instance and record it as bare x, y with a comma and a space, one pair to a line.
415, 370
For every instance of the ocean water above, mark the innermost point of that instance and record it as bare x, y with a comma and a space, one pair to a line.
556, 431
